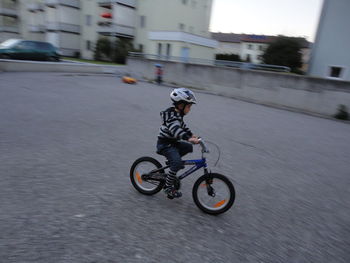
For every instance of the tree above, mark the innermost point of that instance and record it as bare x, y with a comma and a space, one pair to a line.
121, 50
103, 49
284, 51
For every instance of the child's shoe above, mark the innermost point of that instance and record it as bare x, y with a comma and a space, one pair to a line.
172, 192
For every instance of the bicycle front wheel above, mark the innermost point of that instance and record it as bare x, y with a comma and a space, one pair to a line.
213, 193
139, 171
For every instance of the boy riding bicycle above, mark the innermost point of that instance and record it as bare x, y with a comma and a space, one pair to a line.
172, 131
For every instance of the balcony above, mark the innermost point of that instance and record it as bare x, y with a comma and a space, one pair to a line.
37, 28
113, 29
108, 3
34, 7
70, 3
8, 12
9, 29
54, 26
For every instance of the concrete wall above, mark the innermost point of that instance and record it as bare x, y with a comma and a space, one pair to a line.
31, 66
307, 94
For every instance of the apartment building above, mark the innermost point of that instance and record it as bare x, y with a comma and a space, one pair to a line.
175, 28
160, 27
9, 22
330, 57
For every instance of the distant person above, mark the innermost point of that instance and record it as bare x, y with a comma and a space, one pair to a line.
172, 131
159, 74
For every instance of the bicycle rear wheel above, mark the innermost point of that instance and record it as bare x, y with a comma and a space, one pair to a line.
213, 193
139, 172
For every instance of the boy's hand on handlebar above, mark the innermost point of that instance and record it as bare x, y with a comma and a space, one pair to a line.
194, 140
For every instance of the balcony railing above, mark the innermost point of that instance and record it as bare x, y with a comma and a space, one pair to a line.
114, 29
8, 12
37, 28
55, 3
35, 7
54, 26
131, 3
9, 29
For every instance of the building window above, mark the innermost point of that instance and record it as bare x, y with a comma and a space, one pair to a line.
159, 49
88, 44
168, 50
182, 26
250, 46
261, 48
184, 2
248, 59
142, 21
88, 20
141, 48
336, 72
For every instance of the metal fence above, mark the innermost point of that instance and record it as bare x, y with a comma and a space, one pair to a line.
220, 63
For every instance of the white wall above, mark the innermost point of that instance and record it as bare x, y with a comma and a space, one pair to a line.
53, 38
68, 15
88, 32
254, 51
332, 43
124, 15
228, 48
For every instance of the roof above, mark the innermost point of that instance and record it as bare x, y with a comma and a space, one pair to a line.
224, 37
257, 38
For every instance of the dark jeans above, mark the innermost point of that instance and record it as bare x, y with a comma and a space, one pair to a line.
173, 152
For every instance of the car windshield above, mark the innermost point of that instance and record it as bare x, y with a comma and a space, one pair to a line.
9, 43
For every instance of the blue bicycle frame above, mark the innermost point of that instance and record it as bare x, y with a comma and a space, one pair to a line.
198, 164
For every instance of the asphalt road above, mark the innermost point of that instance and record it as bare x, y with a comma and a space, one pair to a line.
67, 142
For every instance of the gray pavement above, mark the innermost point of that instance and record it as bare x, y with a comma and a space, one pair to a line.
67, 142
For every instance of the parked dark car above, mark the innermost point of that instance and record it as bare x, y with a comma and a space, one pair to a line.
29, 50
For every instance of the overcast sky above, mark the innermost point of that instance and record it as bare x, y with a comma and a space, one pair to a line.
267, 17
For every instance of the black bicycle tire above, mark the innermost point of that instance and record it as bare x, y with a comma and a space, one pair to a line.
226, 181
142, 191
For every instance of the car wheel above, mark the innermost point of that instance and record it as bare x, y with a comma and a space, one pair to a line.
52, 59
4, 56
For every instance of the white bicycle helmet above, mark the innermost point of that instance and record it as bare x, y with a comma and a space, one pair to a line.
180, 95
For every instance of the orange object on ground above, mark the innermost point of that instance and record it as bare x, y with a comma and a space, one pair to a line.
129, 80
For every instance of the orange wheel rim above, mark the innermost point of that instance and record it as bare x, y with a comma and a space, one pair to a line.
218, 204
138, 176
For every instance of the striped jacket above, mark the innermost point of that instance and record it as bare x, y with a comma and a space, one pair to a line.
173, 127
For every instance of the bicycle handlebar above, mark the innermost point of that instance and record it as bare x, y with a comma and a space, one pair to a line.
203, 145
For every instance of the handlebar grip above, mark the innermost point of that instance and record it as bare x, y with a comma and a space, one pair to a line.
204, 147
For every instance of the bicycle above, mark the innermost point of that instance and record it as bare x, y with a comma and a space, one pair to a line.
213, 193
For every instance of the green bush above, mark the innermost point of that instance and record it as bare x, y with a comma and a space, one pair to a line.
121, 49
116, 51
230, 57
342, 113
103, 50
